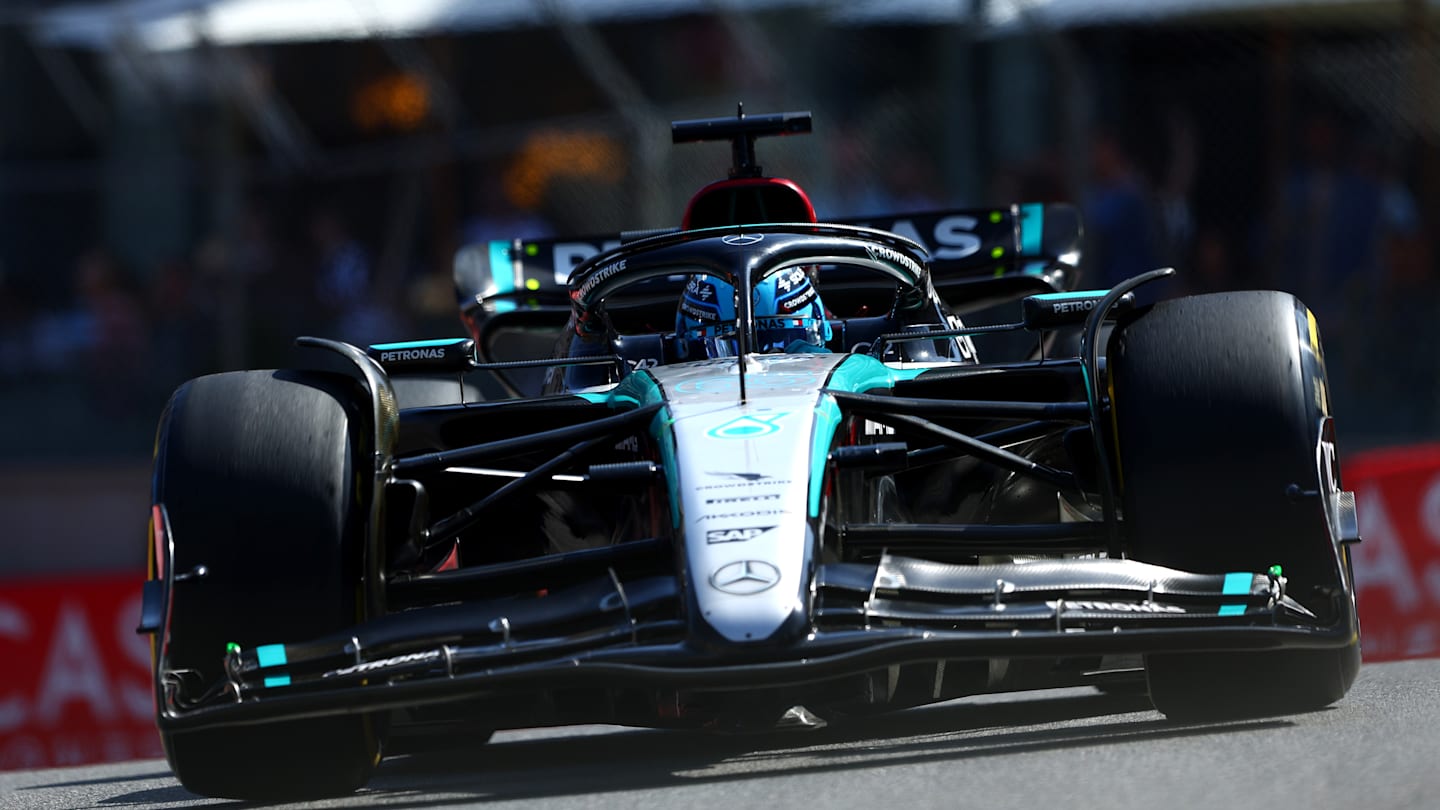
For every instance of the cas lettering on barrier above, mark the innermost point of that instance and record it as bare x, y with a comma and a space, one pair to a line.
1397, 562
75, 688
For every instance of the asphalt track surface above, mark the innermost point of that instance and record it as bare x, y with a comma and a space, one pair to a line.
1072, 748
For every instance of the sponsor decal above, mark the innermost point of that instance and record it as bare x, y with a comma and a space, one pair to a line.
771, 496
701, 300
699, 289
1081, 305
738, 535
749, 426
798, 301
1397, 565
569, 255
703, 314
1118, 607
743, 476
745, 577
744, 480
386, 663
748, 514
75, 686
880, 253
952, 237
786, 280
600, 276
402, 355
743, 239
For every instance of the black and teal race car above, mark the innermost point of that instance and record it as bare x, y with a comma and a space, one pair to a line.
585, 512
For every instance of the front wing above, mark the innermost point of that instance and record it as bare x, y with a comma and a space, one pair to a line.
865, 616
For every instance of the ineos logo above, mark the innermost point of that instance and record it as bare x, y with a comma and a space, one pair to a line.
742, 239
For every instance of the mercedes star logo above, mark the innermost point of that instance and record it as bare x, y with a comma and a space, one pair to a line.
743, 239
745, 577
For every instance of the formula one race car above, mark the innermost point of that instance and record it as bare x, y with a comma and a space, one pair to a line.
763, 478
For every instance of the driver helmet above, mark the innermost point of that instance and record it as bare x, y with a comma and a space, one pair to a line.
789, 316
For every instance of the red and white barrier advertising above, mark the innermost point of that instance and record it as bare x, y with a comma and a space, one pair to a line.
74, 676
1397, 562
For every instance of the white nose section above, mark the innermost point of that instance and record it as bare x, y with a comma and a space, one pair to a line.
744, 473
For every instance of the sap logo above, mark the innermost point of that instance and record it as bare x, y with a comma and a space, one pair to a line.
735, 535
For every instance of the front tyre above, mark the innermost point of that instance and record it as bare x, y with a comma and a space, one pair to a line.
263, 477
1219, 403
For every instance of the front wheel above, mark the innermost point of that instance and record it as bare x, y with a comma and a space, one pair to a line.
262, 476
1220, 404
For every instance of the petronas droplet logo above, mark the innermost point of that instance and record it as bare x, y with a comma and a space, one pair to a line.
748, 426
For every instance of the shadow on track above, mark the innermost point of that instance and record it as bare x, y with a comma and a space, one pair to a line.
637, 760
644, 759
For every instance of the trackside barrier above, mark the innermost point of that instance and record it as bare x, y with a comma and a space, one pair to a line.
1397, 563
74, 677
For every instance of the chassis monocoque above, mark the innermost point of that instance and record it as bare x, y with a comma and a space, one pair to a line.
346, 562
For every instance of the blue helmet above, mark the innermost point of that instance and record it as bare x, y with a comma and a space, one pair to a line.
789, 316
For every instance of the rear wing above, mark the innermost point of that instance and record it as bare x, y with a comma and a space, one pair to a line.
979, 257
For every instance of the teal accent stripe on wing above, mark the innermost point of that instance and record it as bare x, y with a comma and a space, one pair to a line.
1238, 583
279, 680
1032, 228
1062, 296
502, 270
416, 344
271, 655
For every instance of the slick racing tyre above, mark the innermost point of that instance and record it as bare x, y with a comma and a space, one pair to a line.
1218, 404
263, 476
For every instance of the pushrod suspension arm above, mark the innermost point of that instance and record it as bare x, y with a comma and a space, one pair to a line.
1061, 480
995, 409
605, 426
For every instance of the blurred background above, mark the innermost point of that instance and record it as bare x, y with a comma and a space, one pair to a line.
185, 185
